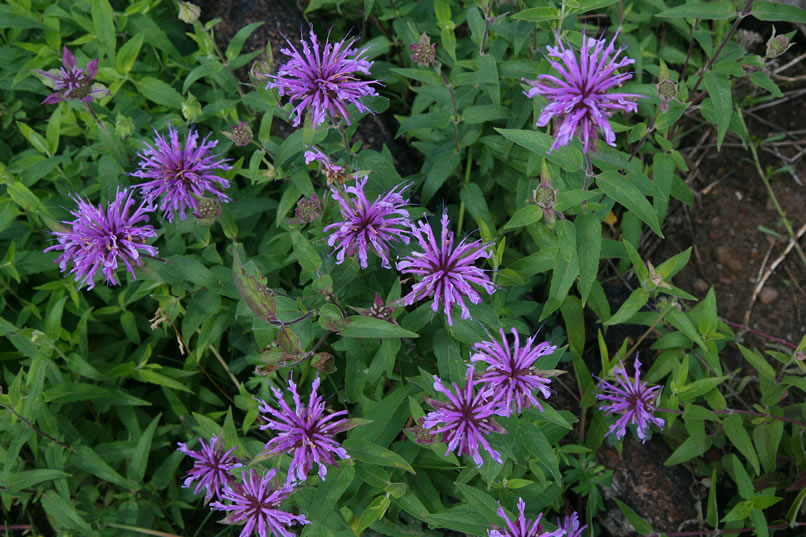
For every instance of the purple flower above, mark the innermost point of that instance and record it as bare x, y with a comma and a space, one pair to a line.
579, 99
511, 375
255, 503
467, 418
180, 174
323, 79
522, 527
368, 225
72, 82
101, 238
448, 274
306, 431
634, 401
570, 525
334, 172
211, 468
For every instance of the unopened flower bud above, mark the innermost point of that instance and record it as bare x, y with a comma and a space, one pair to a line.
777, 44
308, 210
241, 134
208, 211
260, 70
423, 53
188, 12
421, 434
544, 196
323, 361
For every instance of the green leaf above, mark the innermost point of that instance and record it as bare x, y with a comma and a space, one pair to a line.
712, 515
762, 80
139, 460
153, 377
128, 53
104, 21
524, 217
206, 69
374, 512
9, 19
737, 434
767, 439
159, 92
479, 500
589, 248
765, 370
686, 451
326, 496
534, 441
775, 12
67, 392
740, 511
623, 191
27, 479
54, 131
307, 256
640, 525
537, 14
740, 476
718, 87
64, 514
689, 392
568, 158
564, 273
235, 46
720, 9
363, 326
420, 75
254, 292
36, 139
634, 302
89, 461
371, 453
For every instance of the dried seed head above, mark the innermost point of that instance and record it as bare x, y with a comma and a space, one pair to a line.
424, 53
208, 211
260, 70
241, 134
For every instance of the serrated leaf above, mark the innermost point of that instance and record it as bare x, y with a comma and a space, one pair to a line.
622, 191
309, 259
776, 11
128, 53
537, 14
763, 80
159, 92
524, 217
568, 158
363, 326
718, 87
372, 453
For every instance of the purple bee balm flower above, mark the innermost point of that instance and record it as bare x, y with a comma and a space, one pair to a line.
306, 431
578, 99
511, 375
101, 238
368, 225
323, 79
448, 274
255, 505
570, 525
466, 419
180, 174
72, 82
211, 468
635, 401
334, 172
522, 527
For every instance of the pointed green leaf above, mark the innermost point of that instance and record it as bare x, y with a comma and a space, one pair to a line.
718, 87
371, 453
620, 189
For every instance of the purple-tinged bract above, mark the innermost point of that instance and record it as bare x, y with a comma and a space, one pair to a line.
102, 238
255, 504
577, 94
570, 525
465, 420
521, 527
307, 432
511, 376
212, 468
322, 79
368, 225
181, 173
447, 273
72, 82
634, 401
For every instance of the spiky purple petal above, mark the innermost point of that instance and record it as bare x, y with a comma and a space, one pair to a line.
633, 401
72, 82
521, 527
212, 468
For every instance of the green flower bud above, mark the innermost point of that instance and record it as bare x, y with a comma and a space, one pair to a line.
188, 12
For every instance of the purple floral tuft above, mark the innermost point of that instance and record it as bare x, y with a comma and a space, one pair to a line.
368, 225
448, 273
570, 525
306, 431
634, 401
211, 468
180, 174
72, 82
579, 100
102, 238
323, 79
334, 172
522, 527
255, 504
467, 418
511, 375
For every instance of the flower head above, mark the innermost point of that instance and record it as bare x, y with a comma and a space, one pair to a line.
635, 401
101, 238
306, 431
241, 134
521, 527
333, 172
570, 525
511, 375
255, 504
448, 274
211, 468
465, 420
323, 79
578, 99
180, 174
72, 82
368, 225
424, 53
